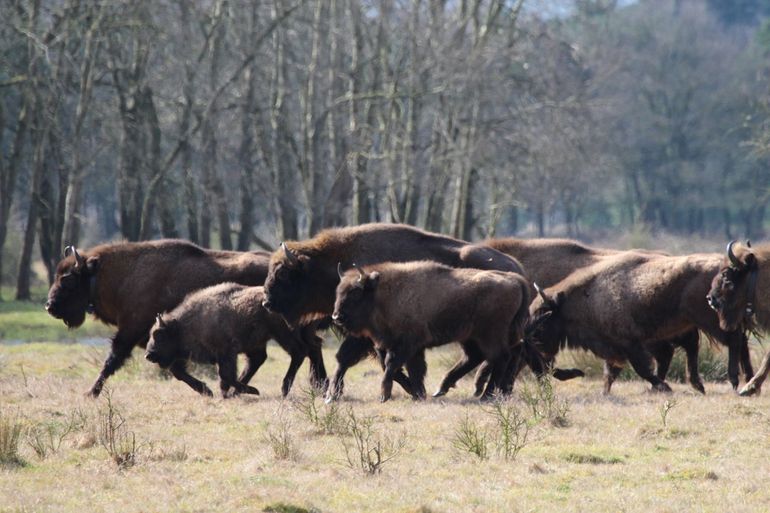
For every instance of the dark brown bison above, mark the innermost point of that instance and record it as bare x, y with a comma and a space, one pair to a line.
303, 275
215, 325
407, 307
128, 284
740, 294
549, 261
616, 308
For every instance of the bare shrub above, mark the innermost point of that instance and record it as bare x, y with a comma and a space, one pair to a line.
512, 428
280, 439
472, 438
11, 428
115, 436
543, 403
327, 419
369, 450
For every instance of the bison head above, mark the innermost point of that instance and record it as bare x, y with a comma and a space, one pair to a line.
288, 284
70, 294
732, 289
545, 328
354, 301
164, 345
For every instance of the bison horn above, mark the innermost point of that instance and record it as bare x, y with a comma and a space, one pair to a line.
78, 259
67, 251
731, 256
748, 243
339, 269
547, 300
290, 255
160, 320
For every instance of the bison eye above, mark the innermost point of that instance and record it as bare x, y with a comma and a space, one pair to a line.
69, 281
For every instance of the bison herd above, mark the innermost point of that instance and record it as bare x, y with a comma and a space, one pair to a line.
394, 290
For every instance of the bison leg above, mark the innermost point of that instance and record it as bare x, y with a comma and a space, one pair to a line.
641, 361
663, 353
394, 360
312, 344
690, 343
417, 368
497, 379
611, 373
482, 377
754, 386
296, 360
351, 351
122, 345
179, 371
399, 376
227, 370
748, 370
254, 361
471, 358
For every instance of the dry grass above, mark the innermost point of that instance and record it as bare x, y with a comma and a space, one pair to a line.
198, 454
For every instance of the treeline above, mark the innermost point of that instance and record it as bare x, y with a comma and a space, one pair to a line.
236, 123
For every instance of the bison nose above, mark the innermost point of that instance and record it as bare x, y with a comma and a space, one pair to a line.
713, 302
338, 318
267, 305
150, 356
48, 305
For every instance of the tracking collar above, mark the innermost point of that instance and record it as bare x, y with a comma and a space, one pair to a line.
91, 308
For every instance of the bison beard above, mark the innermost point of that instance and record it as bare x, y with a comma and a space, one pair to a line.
127, 284
303, 277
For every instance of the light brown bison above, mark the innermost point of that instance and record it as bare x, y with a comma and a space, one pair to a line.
740, 294
407, 307
303, 276
549, 261
617, 307
215, 325
128, 284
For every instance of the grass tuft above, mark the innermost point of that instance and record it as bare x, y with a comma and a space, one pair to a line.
591, 459
11, 428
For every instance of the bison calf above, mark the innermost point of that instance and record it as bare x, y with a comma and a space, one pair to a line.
407, 307
214, 325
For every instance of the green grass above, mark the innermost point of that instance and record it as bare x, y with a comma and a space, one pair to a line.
27, 321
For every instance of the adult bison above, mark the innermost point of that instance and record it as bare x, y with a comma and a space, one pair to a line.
215, 325
620, 305
549, 261
127, 284
740, 294
407, 307
303, 275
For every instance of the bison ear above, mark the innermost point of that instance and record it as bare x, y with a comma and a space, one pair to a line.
558, 299
160, 321
372, 279
92, 264
750, 260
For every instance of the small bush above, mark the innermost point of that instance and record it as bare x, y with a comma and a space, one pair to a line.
114, 435
280, 439
512, 428
46, 437
543, 403
11, 429
327, 419
282, 507
369, 450
472, 438
591, 459
666, 407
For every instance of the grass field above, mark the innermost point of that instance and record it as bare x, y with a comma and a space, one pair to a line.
151, 444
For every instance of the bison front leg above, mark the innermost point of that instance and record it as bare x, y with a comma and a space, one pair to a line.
641, 361
313, 344
611, 373
754, 386
471, 358
748, 370
297, 358
179, 371
227, 366
254, 361
394, 360
417, 368
351, 351
690, 342
122, 345
497, 379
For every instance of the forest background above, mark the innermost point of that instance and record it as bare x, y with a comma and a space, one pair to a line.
240, 123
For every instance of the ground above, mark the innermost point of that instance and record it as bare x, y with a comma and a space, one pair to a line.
632, 451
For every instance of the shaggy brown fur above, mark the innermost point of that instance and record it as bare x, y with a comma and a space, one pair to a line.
127, 284
303, 277
737, 305
214, 325
549, 261
616, 306
407, 307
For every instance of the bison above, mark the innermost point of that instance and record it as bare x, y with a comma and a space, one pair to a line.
549, 261
616, 308
407, 307
127, 284
215, 325
740, 294
303, 276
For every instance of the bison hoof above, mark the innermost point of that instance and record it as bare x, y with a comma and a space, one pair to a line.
384, 398
662, 387
439, 393
699, 387
93, 393
206, 391
749, 390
